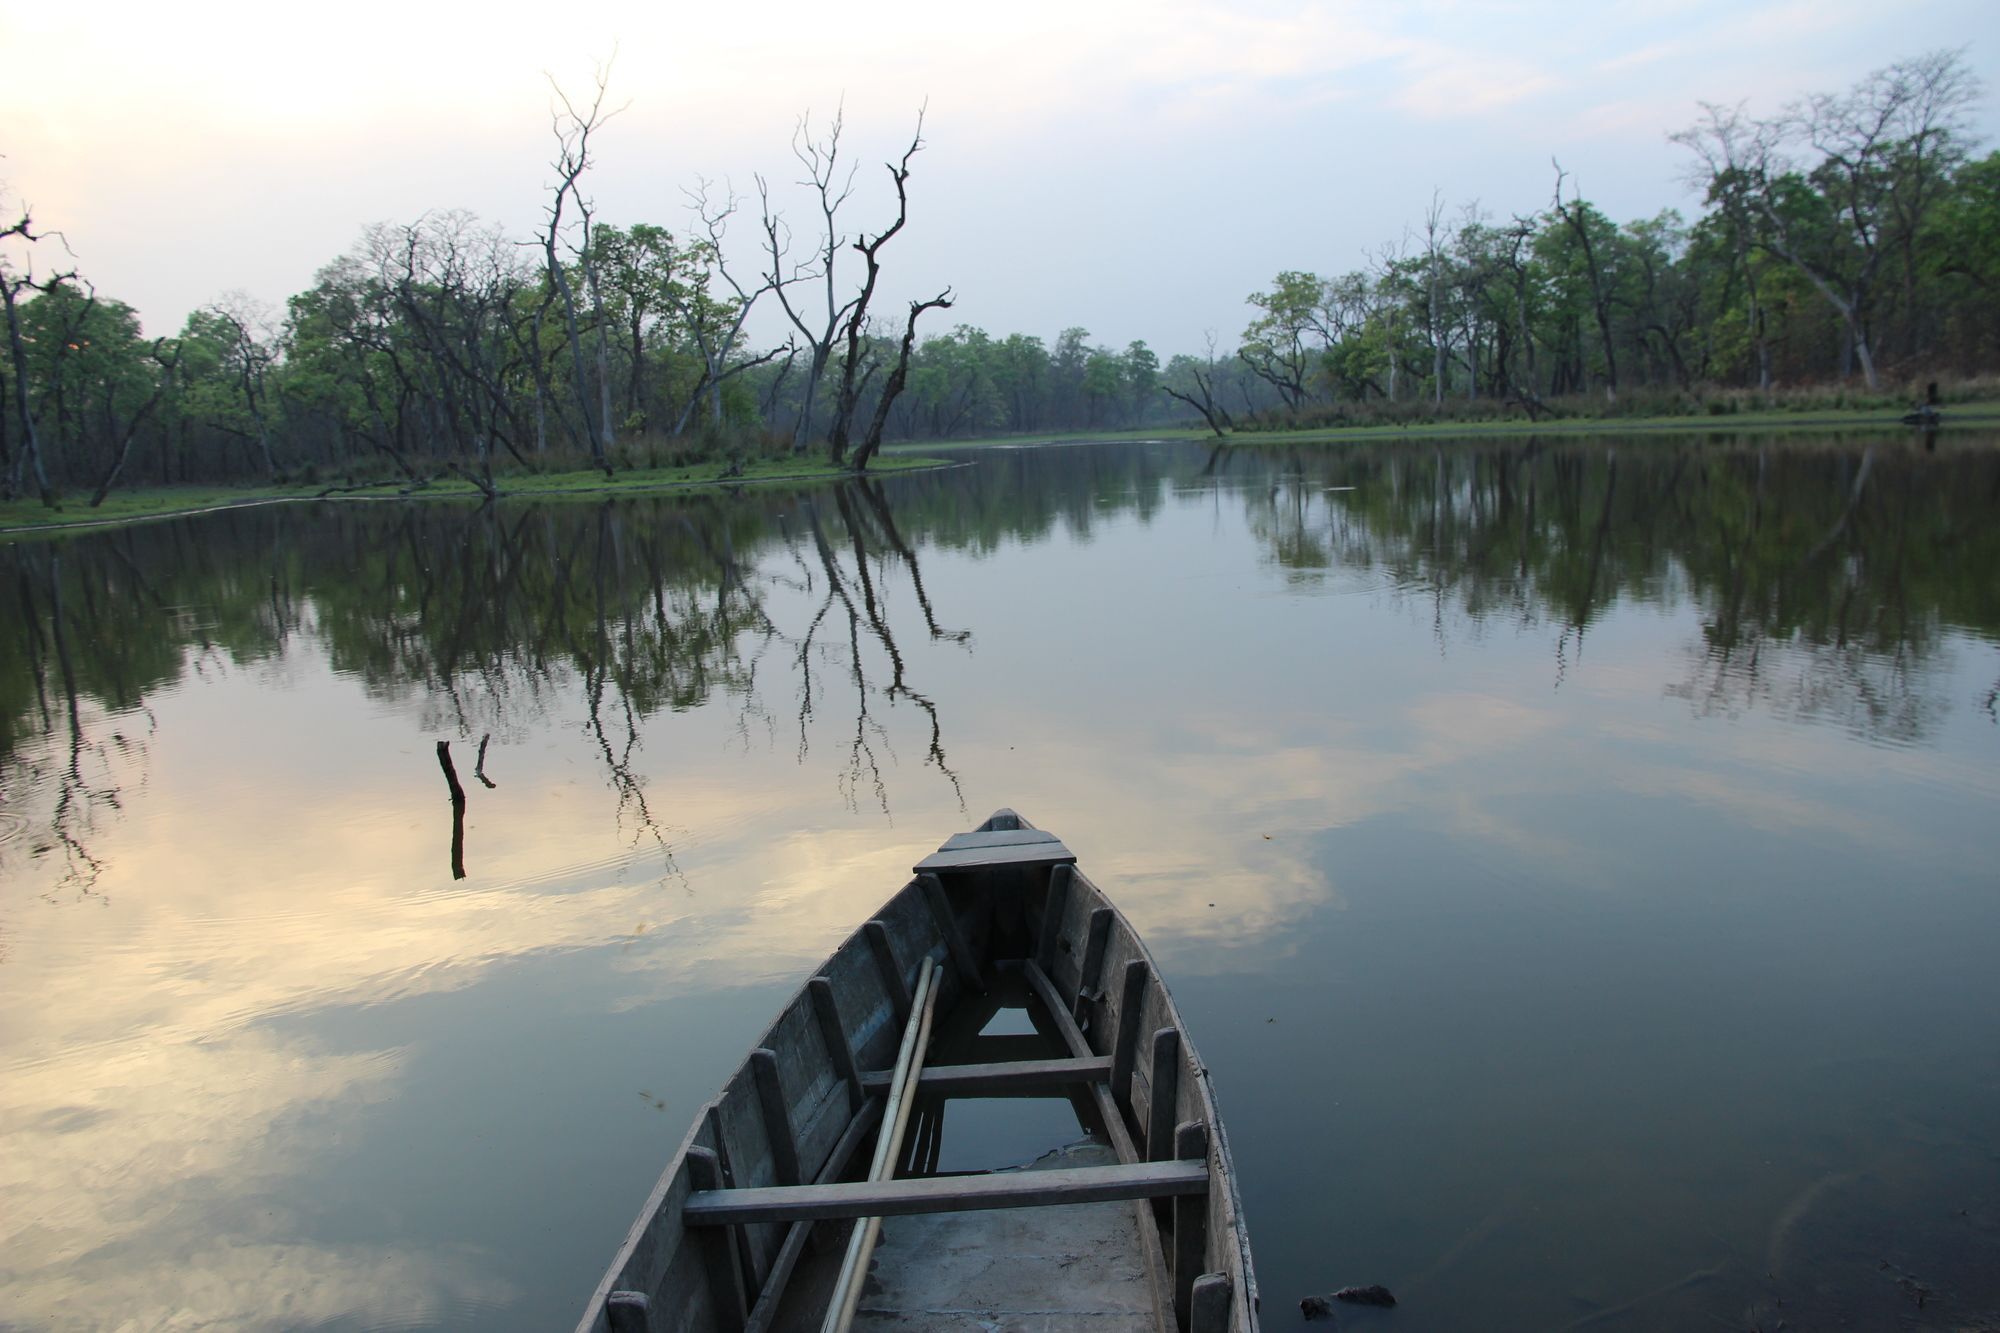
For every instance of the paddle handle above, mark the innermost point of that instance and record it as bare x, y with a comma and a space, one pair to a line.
895, 1120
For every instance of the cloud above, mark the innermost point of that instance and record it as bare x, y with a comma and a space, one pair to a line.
1445, 84
157, 1120
1650, 54
217, 145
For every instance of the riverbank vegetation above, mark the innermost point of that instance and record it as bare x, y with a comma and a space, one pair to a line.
1848, 252
448, 348
28, 515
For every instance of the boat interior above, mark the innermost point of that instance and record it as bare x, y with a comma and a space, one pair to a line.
981, 1112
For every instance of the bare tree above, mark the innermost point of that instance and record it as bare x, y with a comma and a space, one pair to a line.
870, 249
1203, 400
821, 159
29, 462
717, 326
843, 320
573, 128
892, 388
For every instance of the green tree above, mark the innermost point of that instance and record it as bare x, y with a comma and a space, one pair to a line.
1141, 370
1276, 345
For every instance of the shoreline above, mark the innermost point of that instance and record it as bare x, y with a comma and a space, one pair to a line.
450, 489
1983, 414
911, 457
1741, 423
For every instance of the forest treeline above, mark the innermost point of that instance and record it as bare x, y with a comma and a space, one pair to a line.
1851, 236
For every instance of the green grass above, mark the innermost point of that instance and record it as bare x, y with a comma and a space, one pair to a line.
169, 501
1056, 437
1984, 414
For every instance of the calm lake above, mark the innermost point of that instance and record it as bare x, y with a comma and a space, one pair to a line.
1577, 861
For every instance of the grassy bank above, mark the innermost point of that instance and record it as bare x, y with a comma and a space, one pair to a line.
1972, 400
1133, 436
1973, 415
1976, 414
171, 501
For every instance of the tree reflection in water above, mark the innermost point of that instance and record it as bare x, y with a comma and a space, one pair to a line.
1823, 574
1823, 578
867, 619
488, 620
66, 754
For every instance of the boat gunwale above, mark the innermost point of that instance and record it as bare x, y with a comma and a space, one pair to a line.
1243, 1316
1244, 1311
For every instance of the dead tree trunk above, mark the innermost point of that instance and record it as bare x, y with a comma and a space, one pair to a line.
29, 462
573, 130
457, 809
821, 161
892, 388
1214, 413
857, 315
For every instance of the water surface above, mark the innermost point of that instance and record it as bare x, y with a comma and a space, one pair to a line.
1575, 862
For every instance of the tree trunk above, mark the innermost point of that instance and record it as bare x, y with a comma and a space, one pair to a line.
604, 428
893, 387
29, 460
802, 430
561, 281
124, 451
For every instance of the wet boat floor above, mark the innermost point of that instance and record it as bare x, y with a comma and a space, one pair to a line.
1017, 1270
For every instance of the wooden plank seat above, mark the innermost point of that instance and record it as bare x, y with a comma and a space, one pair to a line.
945, 1194
1009, 1077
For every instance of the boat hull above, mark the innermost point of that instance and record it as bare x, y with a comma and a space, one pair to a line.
1002, 908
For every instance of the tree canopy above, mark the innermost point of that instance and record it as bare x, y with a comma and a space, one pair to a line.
1849, 234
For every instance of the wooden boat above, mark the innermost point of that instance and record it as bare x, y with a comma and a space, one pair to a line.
759, 1221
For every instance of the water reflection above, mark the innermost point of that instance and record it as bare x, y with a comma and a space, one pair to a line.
1822, 574
1338, 722
1854, 555
1818, 583
483, 619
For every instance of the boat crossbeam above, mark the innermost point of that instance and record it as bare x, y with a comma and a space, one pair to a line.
945, 1194
1000, 1078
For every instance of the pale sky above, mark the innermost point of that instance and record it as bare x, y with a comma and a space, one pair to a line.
1134, 166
